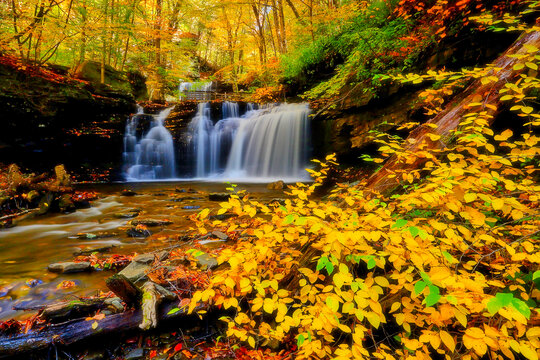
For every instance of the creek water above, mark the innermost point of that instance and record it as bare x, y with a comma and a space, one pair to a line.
27, 249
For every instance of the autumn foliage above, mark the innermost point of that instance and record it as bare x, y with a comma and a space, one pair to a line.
445, 265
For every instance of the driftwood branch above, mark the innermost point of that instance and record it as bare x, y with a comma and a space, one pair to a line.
76, 330
448, 120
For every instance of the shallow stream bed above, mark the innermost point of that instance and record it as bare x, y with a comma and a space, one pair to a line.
28, 248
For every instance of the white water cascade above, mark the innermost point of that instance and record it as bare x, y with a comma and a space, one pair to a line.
270, 143
151, 157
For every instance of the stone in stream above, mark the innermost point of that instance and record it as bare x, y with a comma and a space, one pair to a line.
126, 215
206, 261
92, 249
70, 267
128, 193
222, 216
138, 232
220, 235
186, 198
94, 236
65, 204
191, 207
150, 257
150, 222
219, 196
276, 185
135, 271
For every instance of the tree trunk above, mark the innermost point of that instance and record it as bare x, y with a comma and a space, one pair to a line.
70, 332
449, 119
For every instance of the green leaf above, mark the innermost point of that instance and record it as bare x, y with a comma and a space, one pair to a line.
399, 224
371, 263
288, 219
300, 340
419, 287
332, 303
425, 277
536, 275
448, 257
434, 295
522, 307
321, 263
494, 305
414, 230
173, 311
329, 267
505, 298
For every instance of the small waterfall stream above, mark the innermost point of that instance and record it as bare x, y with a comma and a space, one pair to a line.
152, 157
264, 144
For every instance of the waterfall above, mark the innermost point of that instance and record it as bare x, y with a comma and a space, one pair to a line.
262, 144
152, 157
267, 143
271, 143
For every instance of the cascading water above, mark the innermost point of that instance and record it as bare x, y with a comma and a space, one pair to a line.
267, 143
152, 157
271, 143
261, 145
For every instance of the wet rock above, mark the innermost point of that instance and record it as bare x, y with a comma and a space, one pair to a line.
159, 194
62, 177
94, 236
135, 354
115, 304
90, 250
219, 196
191, 207
220, 235
65, 204
186, 198
126, 215
180, 190
276, 185
82, 204
135, 271
277, 200
206, 261
222, 216
150, 222
150, 257
69, 267
138, 232
128, 193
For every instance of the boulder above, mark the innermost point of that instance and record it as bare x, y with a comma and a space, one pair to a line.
206, 261
70, 267
150, 222
276, 185
127, 192
66, 204
220, 235
150, 257
135, 271
139, 232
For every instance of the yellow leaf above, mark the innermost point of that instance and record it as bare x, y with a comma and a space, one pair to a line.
469, 197
497, 204
251, 341
373, 319
527, 351
448, 340
527, 109
505, 135
95, 325
268, 305
229, 283
395, 306
475, 332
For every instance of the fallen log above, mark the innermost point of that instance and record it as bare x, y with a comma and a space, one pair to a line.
448, 120
76, 330
124, 289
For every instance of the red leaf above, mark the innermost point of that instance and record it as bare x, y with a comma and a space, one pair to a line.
178, 347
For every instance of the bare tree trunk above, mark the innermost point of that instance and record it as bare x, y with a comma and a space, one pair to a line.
449, 119
104, 41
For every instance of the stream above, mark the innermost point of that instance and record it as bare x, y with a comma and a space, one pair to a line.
28, 248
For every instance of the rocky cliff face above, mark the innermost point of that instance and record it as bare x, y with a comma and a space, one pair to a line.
42, 110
